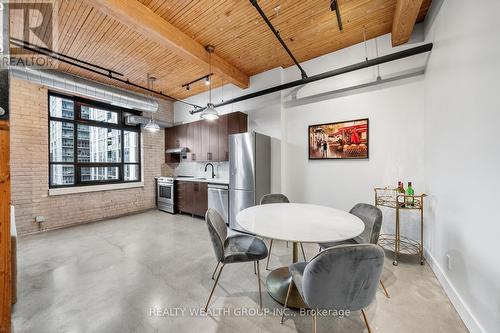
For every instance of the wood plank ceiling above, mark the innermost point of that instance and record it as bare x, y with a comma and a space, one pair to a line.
235, 28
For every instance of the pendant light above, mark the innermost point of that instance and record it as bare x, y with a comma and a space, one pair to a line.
210, 113
151, 126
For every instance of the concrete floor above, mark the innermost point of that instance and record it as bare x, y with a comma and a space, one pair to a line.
107, 276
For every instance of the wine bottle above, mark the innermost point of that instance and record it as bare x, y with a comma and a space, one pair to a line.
410, 200
401, 191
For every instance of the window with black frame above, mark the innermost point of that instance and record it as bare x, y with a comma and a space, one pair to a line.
90, 144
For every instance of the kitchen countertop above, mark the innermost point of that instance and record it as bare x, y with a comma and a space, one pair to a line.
203, 180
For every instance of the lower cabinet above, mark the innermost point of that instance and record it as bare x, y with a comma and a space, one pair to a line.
183, 197
191, 197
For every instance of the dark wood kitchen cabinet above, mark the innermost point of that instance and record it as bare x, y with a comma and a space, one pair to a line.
183, 197
181, 133
237, 122
211, 140
200, 198
191, 197
197, 140
171, 142
171, 137
204, 142
207, 141
223, 139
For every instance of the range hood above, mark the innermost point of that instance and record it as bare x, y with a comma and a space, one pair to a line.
179, 151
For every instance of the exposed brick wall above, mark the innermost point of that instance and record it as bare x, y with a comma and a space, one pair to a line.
30, 170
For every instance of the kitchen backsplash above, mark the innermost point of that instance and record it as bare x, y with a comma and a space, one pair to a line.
197, 169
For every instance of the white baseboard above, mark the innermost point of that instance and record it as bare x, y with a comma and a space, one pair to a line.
463, 310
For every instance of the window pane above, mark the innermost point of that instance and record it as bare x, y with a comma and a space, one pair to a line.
61, 107
61, 145
131, 147
98, 145
91, 174
62, 175
131, 172
92, 113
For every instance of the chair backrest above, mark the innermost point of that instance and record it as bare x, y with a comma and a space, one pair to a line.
344, 277
218, 232
372, 218
274, 198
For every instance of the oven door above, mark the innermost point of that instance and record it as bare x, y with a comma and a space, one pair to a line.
166, 197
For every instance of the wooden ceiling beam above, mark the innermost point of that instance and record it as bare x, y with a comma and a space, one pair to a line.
140, 18
405, 17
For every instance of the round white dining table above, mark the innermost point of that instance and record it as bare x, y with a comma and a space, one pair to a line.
297, 223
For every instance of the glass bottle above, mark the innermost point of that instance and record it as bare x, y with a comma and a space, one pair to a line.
401, 191
410, 200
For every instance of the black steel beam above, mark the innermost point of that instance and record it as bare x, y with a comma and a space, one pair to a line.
334, 6
66, 60
351, 68
107, 70
277, 34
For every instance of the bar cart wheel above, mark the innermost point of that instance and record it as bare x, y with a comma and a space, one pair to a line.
395, 262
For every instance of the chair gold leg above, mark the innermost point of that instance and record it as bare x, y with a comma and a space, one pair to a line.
366, 321
269, 255
215, 270
286, 301
303, 252
314, 321
258, 283
385, 290
213, 288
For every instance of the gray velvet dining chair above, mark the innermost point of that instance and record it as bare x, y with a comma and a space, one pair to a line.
344, 277
233, 249
272, 199
372, 218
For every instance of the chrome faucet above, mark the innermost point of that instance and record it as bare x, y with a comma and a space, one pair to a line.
213, 173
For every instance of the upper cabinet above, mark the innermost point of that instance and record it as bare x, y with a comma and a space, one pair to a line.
223, 138
181, 140
206, 140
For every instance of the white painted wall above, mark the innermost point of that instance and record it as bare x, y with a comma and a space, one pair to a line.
396, 149
462, 158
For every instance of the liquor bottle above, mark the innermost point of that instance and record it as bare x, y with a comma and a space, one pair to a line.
401, 191
409, 192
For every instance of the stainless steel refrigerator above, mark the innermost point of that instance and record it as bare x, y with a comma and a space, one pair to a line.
249, 172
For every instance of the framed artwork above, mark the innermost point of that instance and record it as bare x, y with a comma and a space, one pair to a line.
338, 141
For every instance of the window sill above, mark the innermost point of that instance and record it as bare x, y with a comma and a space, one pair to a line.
93, 188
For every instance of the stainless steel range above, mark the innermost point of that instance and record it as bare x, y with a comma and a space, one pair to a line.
165, 194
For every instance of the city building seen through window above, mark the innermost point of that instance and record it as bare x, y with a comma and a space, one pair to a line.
89, 144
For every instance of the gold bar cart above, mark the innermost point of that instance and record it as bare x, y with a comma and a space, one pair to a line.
391, 198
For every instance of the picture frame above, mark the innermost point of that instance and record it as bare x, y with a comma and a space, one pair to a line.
343, 140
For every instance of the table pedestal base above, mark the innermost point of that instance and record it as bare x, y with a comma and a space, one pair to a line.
277, 286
